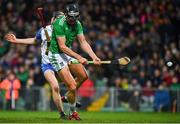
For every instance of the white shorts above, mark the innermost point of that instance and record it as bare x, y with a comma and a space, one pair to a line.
59, 61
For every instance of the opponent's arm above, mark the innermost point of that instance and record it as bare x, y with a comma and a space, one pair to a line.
68, 51
87, 48
12, 38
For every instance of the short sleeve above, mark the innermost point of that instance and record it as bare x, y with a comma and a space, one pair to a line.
58, 29
38, 35
79, 27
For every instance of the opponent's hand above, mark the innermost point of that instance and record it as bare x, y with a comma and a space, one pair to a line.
82, 60
10, 38
97, 61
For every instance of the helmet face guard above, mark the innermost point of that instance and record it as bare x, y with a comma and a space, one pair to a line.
72, 19
72, 13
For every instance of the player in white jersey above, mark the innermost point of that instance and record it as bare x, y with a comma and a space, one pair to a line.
46, 67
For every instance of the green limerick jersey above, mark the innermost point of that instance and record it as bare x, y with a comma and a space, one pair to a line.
62, 29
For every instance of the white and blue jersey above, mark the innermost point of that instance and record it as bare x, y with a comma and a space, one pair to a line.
40, 36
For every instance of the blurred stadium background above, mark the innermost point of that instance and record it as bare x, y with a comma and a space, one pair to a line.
145, 30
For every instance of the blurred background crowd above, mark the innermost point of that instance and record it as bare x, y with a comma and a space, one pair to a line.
146, 31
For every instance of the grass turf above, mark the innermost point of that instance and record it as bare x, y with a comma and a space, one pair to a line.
88, 117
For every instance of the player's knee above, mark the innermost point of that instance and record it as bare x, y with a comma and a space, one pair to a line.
55, 88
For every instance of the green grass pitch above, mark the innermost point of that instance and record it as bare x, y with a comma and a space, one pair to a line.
89, 117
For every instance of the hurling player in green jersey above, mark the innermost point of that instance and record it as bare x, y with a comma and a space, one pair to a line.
65, 30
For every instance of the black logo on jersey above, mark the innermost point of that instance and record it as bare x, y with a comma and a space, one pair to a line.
62, 64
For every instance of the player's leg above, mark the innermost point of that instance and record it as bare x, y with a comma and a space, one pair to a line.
68, 79
50, 77
60, 64
79, 72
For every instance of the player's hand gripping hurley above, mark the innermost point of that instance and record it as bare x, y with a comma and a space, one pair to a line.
120, 61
